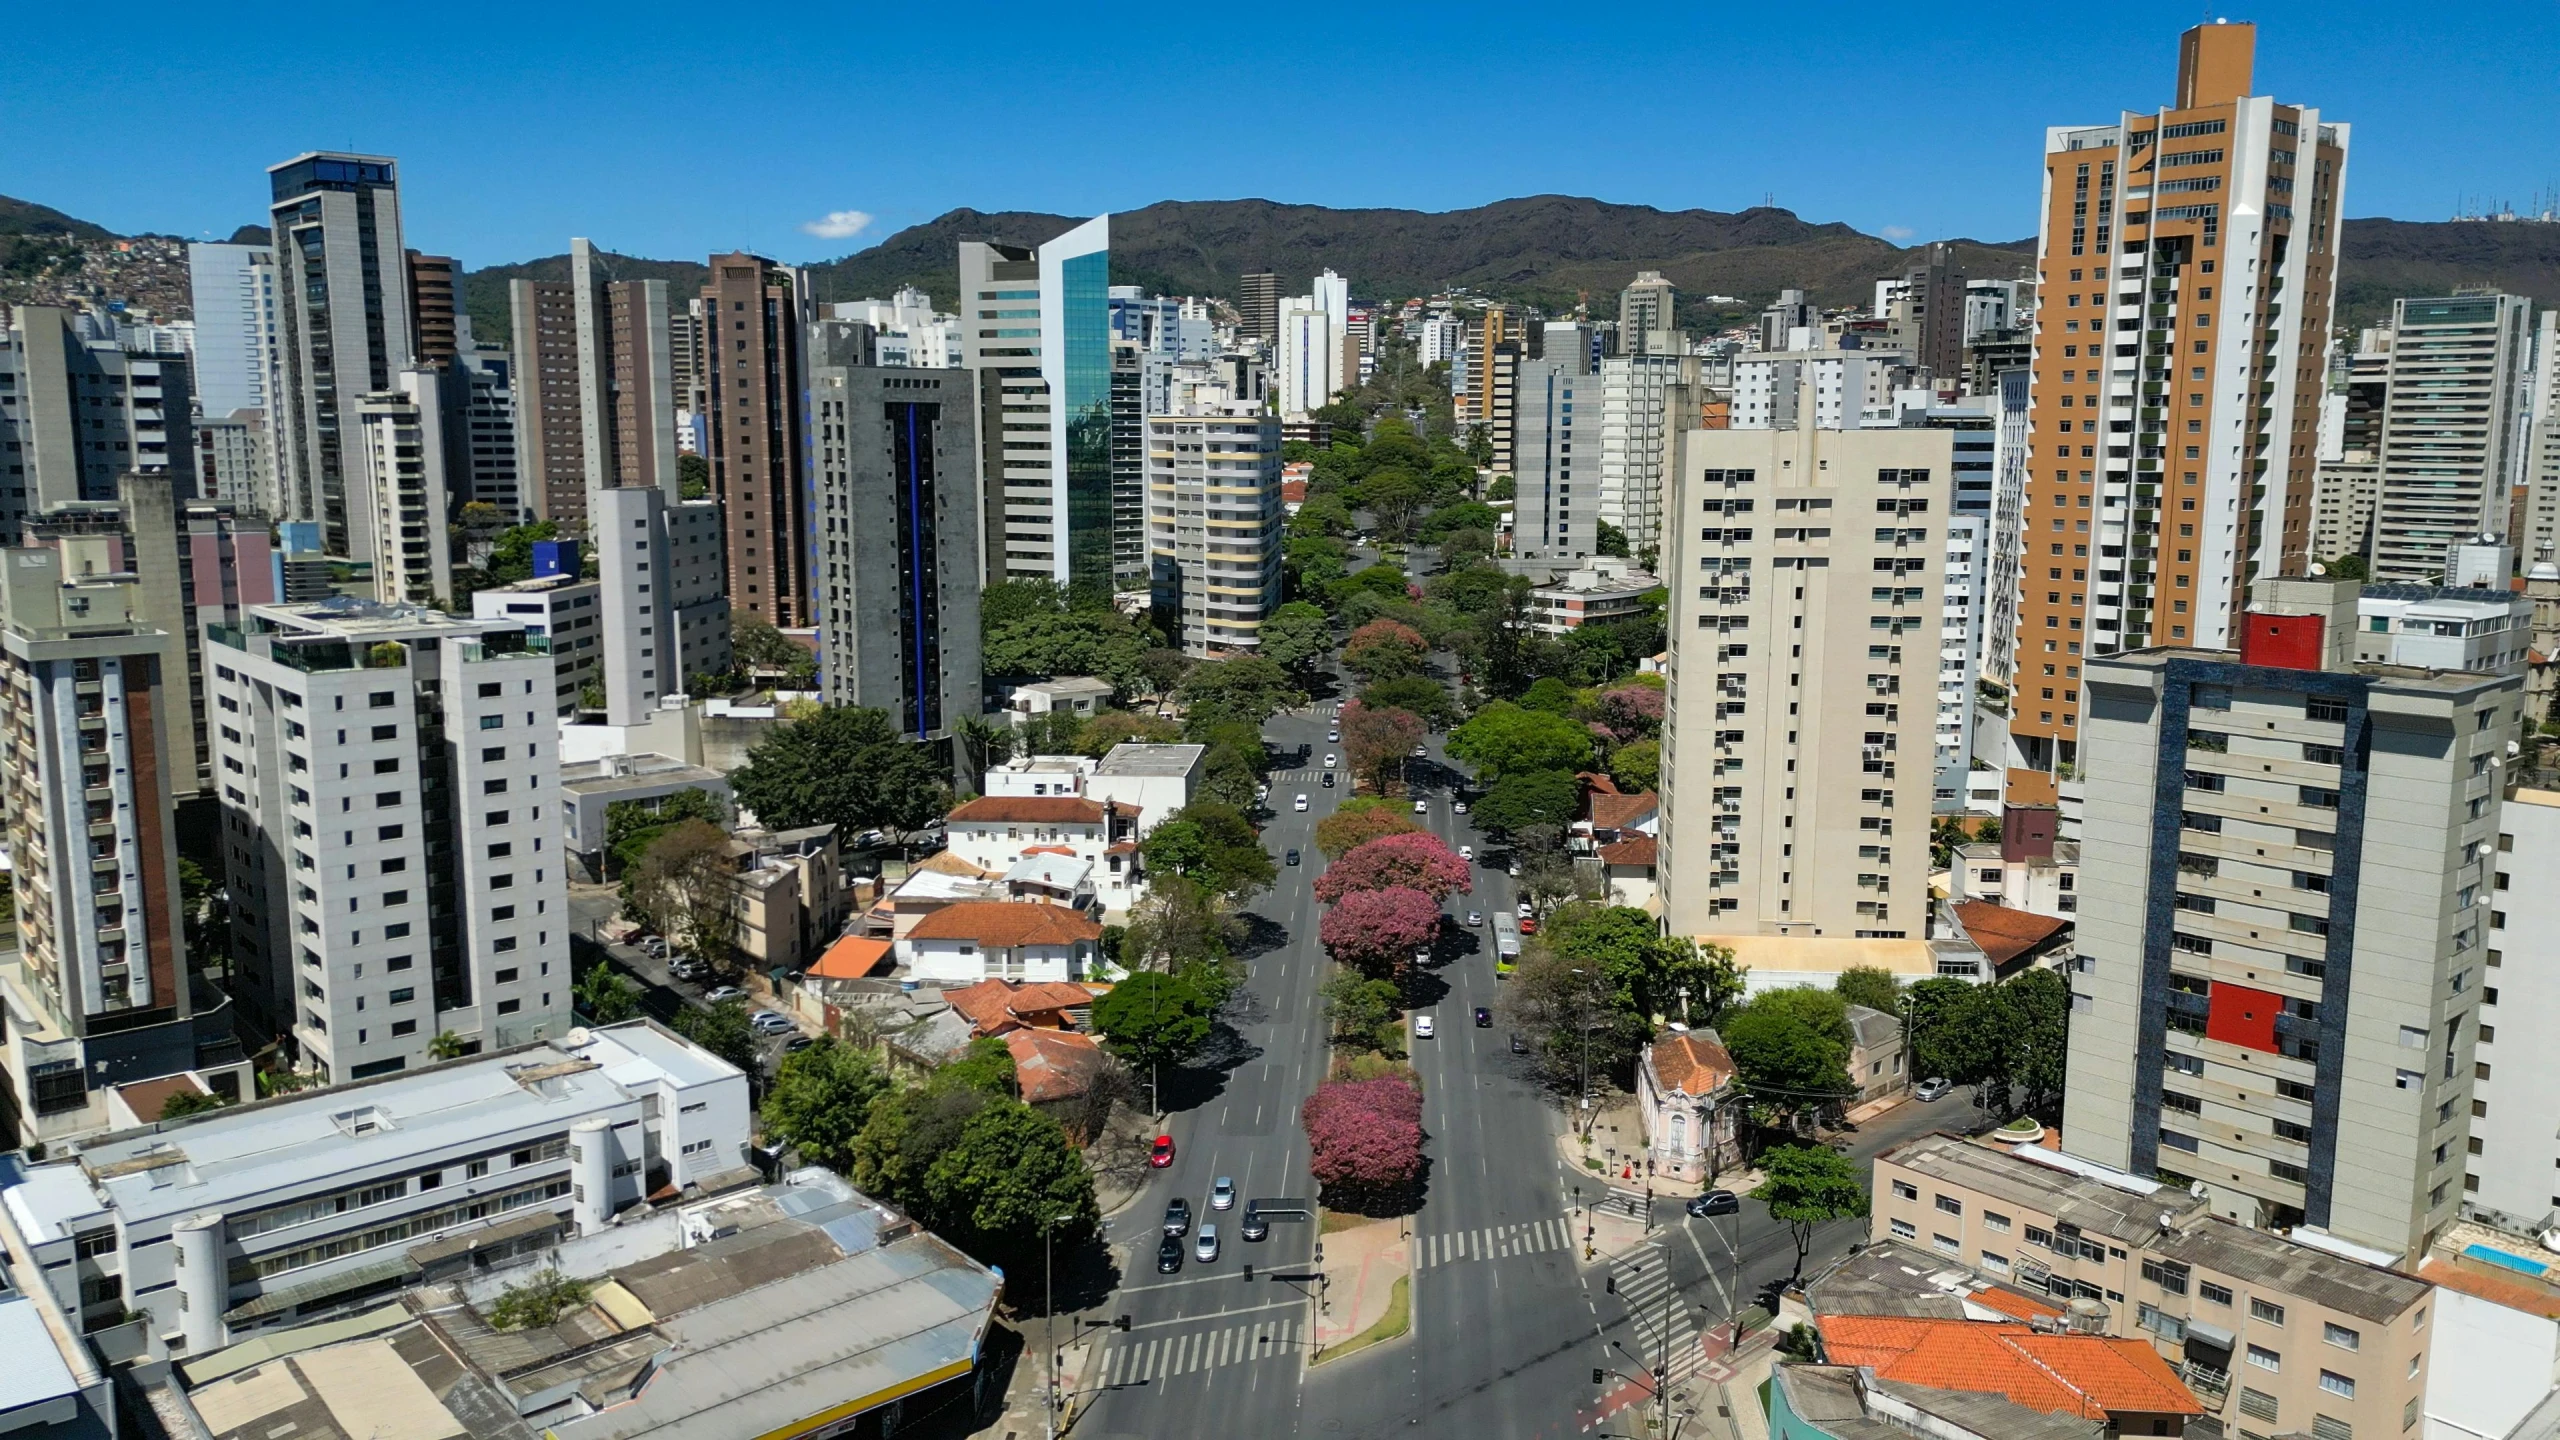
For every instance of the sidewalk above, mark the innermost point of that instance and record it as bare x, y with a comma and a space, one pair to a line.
1369, 1268
1608, 1205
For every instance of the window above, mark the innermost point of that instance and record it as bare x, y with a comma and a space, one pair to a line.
1905, 1190
2218, 1294
1994, 1220
2257, 1403
382, 699
404, 995
509, 1007
1951, 1205
2266, 1310
2340, 1336
2337, 1384
493, 787
404, 1027
1995, 1263
1946, 1243
2169, 1275
1903, 1230
2264, 1358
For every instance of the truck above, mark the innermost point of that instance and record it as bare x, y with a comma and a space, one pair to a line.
1506, 942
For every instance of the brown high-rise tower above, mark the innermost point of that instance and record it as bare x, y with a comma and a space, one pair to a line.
750, 347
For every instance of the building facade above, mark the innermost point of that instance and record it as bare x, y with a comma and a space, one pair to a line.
1214, 519
664, 597
2455, 406
1641, 397
76, 414
1037, 327
752, 378
233, 291
344, 331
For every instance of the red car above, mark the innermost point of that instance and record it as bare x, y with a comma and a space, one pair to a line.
1162, 1155
1529, 925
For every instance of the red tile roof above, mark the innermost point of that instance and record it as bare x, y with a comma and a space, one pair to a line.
853, 958
2004, 933
994, 1007
2015, 1303
1634, 850
1030, 810
2091, 1376
2514, 1294
1690, 1063
1005, 924
1617, 812
1053, 1064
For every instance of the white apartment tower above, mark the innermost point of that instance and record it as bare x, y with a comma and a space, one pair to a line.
344, 331
233, 290
666, 610
2453, 429
397, 438
390, 824
1214, 517
1036, 327
1640, 397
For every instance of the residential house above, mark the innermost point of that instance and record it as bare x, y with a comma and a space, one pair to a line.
855, 957
1000, 1007
974, 940
2011, 940
792, 898
1154, 781
2121, 1382
1875, 1054
2275, 1334
1054, 1068
1684, 1086
994, 831
1078, 695
1601, 590
939, 879
1845, 1402
1623, 833
2028, 868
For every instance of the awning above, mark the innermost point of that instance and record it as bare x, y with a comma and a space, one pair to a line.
2213, 1335
289, 1297
448, 1246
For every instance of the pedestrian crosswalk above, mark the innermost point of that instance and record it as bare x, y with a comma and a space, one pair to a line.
1138, 1361
1493, 1242
1660, 1316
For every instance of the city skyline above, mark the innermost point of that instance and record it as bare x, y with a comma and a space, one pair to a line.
605, 164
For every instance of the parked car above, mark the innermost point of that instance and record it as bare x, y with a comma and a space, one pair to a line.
1523, 910
1484, 1017
1222, 1195
1528, 924
724, 995
684, 969
1933, 1088
653, 947
1422, 1027
1293, 857
1177, 1216
1714, 1202
1204, 1246
799, 1043
1169, 1256
769, 1022
1162, 1155
1302, 799
1518, 1045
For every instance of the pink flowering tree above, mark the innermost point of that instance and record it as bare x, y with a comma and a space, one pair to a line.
1377, 931
1384, 650
1365, 1143
1631, 712
1417, 860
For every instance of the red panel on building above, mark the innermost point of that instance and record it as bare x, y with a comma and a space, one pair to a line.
2239, 1015
2283, 642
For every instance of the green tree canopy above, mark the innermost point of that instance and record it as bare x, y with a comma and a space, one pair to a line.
1297, 636
1415, 694
1552, 696
722, 1030
999, 1188
1504, 739
1213, 844
1648, 974
1637, 767
1872, 986
1241, 689
1536, 797
1792, 1064
1464, 515
821, 1100
1807, 1187
844, 766
1152, 1018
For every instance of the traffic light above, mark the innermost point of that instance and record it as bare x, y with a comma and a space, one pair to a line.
1121, 1324
1248, 1272
1599, 1376
1613, 1284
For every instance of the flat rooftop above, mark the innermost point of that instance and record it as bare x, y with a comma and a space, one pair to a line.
2264, 1258
2399, 677
2079, 1198
1157, 761
634, 772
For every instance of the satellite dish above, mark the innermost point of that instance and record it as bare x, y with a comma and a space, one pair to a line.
2319, 569
578, 1038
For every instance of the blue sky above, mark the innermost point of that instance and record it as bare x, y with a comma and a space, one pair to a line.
518, 126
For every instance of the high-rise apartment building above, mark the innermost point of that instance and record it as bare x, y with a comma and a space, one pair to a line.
344, 330
2288, 863
1929, 318
751, 337
2453, 420
76, 414
2514, 1171
1792, 323
1471, 376
2186, 261
597, 364
897, 537
397, 440
480, 435
1037, 329
1640, 397
391, 827
1807, 576
434, 309
1551, 405
1129, 364
233, 463
1848, 389
100, 991
1647, 323
1258, 307
1215, 518
664, 597
1308, 368
233, 290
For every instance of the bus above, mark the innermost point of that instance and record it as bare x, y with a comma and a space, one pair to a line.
1506, 942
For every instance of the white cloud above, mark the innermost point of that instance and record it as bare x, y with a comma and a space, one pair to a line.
839, 224
1895, 233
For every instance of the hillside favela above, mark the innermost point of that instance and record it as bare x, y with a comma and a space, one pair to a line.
631, 815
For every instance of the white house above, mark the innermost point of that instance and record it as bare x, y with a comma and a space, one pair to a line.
994, 831
974, 940
1683, 1093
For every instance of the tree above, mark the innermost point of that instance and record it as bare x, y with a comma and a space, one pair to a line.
907, 1127
984, 1065
1153, 1019
1377, 932
1417, 695
1241, 689
1178, 921
1384, 650
1463, 515
1611, 540
1030, 629
1359, 821
1504, 739
1364, 1141
1937, 1011
1213, 844
511, 556
1870, 985
722, 1030
1296, 636
1418, 861
1393, 496
537, 1302
446, 1046
2348, 567
685, 884
693, 477
1537, 797
1807, 1187
821, 1099
1359, 1007
1631, 712
1647, 974
190, 1102
630, 826
999, 1189
1322, 515
1124, 727
759, 646
605, 997
1550, 695
2009, 1040
1791, 1064
848, 767
1375, 742
1636, 767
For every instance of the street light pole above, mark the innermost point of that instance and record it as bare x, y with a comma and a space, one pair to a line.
1049, 1318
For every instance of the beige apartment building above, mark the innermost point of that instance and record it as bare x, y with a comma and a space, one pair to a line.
2276, 1337
1806, 568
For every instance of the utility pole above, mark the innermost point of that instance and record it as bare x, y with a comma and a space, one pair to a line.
1049, 1318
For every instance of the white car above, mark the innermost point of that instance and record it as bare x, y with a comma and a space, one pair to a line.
1466, 852
1459, 806
769, 1022
1329, 760
1524, 910
1422, 1027
1421, 752
1302, 800
1475, 919
1204, 1246
1421, 807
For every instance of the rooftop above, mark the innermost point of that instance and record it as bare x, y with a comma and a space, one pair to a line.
2053, 1373
853, 958
1834, 1397
1004, 924
996, 1006
2132, 1208
1825, 954
2444, 684
1692, 1062
1053, 1064
1030, 810
2004, 934
1161, 761
1894, 1279
634, 772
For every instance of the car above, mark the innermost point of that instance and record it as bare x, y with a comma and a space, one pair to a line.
767, 1022
1518, 1045
1177, 1216
1421, 752
1475, 919
1302, 799
1421, 807
1333, 736
724, 995
1484, 1017
1523, 910
1329, 760
869, 838
1162, 1155
1514, 870
684, 969
1528, 924
1293, 857
1714, 1202
1222, 1195
1204, 1246
1254, 1226
799, 1043
1466, 852
1422, 1027
1169, 1257
654, 948
1459, 806
1934, 1088
1328, 779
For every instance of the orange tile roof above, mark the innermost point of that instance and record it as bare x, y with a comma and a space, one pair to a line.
1053, 1064
996, 1006
1634, 850
1617, 812
853, 958
2091, 1376
1030, 810
2015, 1303
1691, 1064
1006, 924
2514, 1294
2004, 933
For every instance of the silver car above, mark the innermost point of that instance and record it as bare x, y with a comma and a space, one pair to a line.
1204, 1246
